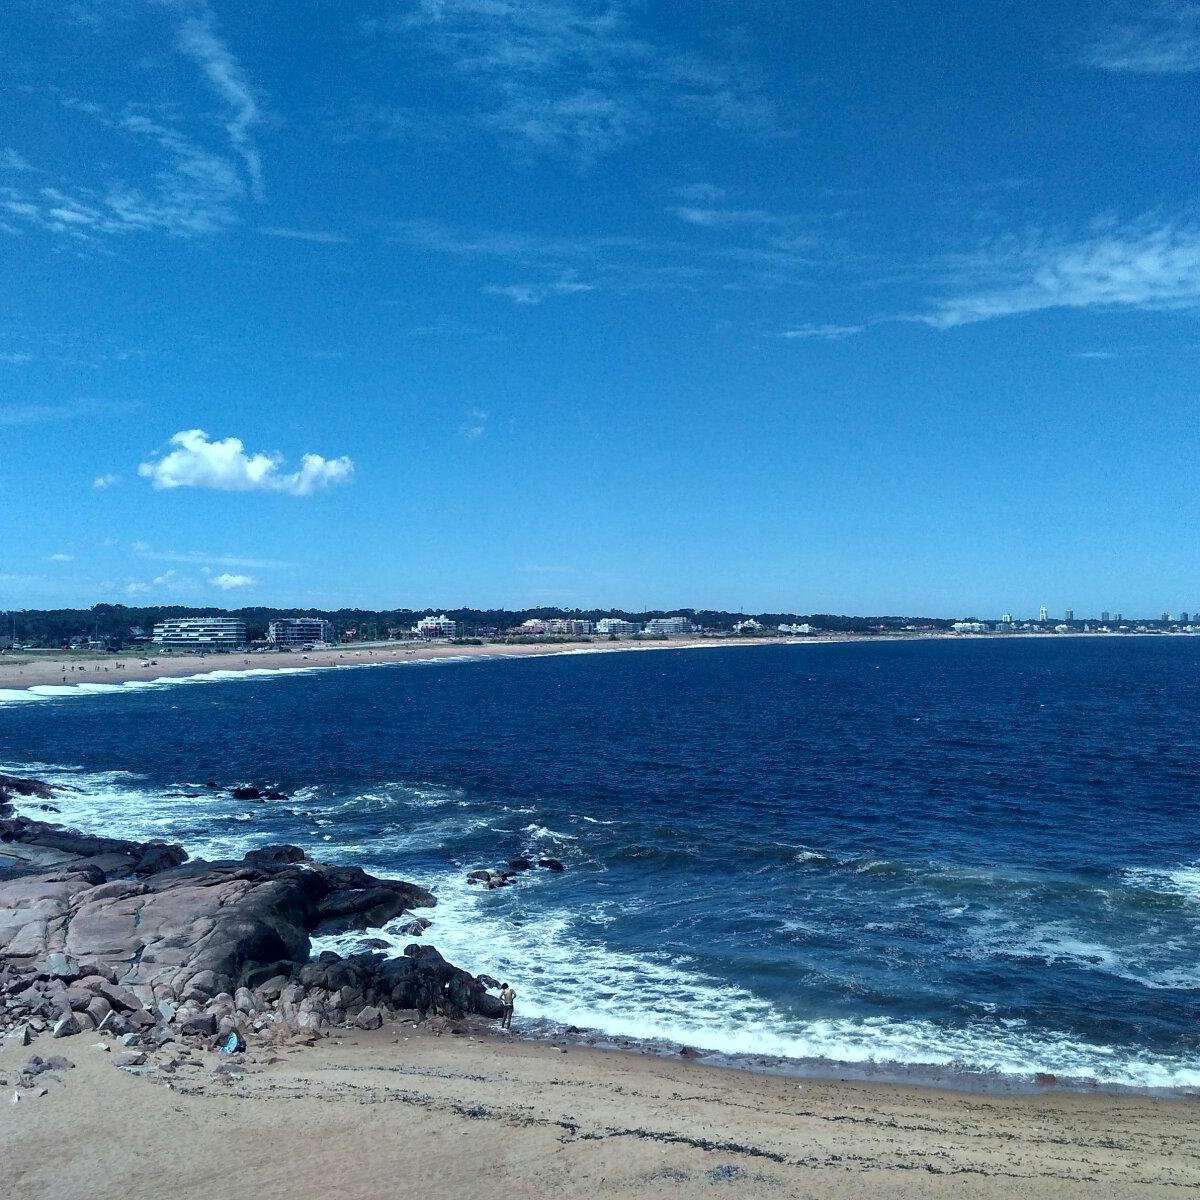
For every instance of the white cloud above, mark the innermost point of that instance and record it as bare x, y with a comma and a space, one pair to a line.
717, 218
535, 293
62, 558
225, 466
203, 559
572, 76
198, 39
105, 481
476, 425
824, 333
226, 582
1159, 39
306, 235
1144, 265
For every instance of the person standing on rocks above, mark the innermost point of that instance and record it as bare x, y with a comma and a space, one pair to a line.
508, 998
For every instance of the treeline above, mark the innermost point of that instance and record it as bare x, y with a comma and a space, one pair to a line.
120, 621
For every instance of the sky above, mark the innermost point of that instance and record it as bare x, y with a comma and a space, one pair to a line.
746, 304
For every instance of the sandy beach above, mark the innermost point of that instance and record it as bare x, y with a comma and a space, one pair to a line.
23, 670
400, 1112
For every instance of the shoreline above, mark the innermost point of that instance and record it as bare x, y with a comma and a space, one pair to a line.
111, 672
389, 1110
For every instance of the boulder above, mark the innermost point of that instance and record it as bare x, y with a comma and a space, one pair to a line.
369, 1018
129, 1058
68, 1025
520, 864
551, 864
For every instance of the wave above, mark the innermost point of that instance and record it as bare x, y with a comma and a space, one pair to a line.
565, 977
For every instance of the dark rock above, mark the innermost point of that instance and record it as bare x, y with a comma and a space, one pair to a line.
68, 1025
551, 864
246, 792
380, 943
159, 857
268, 856
17, 786
361, 908
276, 796
129, 1058
520, 864
413, 928
211, 783
201, 1025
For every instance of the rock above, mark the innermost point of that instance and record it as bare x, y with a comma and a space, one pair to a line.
413, 928
520, 864
130, 1039
129, 1058
276, 855
159, 858
56, 1062
61, 966
380, 943
246, 792
167, 1010
201, 1025
551, 864
272, 989
369, 1018
244, 1002
1045, 1079
33, 1066
68, 1025
17, 786
22, 1036
478, 876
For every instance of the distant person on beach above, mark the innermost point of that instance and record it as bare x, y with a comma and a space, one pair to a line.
508, 998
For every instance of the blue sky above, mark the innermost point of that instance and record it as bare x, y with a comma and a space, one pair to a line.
778, 306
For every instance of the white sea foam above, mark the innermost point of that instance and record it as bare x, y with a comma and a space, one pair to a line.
564, 977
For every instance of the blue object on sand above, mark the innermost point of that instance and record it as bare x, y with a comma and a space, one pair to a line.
232, 1044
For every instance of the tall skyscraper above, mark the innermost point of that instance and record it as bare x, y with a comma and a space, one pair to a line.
1104, 617
1070, 614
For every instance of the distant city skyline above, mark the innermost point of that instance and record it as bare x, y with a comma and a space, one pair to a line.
868, 308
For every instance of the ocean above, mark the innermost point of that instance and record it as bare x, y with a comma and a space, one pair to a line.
956, 861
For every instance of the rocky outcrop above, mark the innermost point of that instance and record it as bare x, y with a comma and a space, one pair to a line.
135, 940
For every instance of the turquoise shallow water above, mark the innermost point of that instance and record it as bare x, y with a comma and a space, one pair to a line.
980, 857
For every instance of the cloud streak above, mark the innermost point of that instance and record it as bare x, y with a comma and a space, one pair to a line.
1163, 39
1145, 265
196, 461
199, 41
570, 76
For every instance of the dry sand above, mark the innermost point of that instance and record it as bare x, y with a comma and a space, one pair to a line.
396, 1113
20, 670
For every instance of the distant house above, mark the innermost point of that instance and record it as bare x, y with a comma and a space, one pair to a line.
668, 626
437, 627
750, 625
201, 633
617, 627
299, 631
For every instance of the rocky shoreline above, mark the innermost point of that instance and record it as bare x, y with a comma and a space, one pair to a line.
167, 955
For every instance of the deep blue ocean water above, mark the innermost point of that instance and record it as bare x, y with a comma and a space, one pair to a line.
979, 856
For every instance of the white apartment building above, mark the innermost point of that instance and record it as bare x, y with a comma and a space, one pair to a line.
201, 633
805, 628
614, 625
299, 631
437, 627
666, 626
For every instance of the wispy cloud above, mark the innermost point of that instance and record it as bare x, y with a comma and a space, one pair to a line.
103, 482
573, 76
62, 558
535, 293
199, 40
72, 410
1144, 265
823, 333
198, 462
1158, 39
476, 424
202, 558
306, 235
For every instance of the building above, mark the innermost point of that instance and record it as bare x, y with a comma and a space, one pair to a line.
616, 627
666, 626
437, 627
570, 625
299, 631
1184, 618
750, 625
1104, 617
201, 633
805, 628
969, 627
1070, 615
1006, 619
1043, 613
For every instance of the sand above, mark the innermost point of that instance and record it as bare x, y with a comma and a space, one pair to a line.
399, 1113
24, 670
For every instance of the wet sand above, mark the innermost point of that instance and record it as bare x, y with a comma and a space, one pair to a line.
397, 1112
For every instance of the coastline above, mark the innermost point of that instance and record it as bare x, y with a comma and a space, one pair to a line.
400, 1109
111, 672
